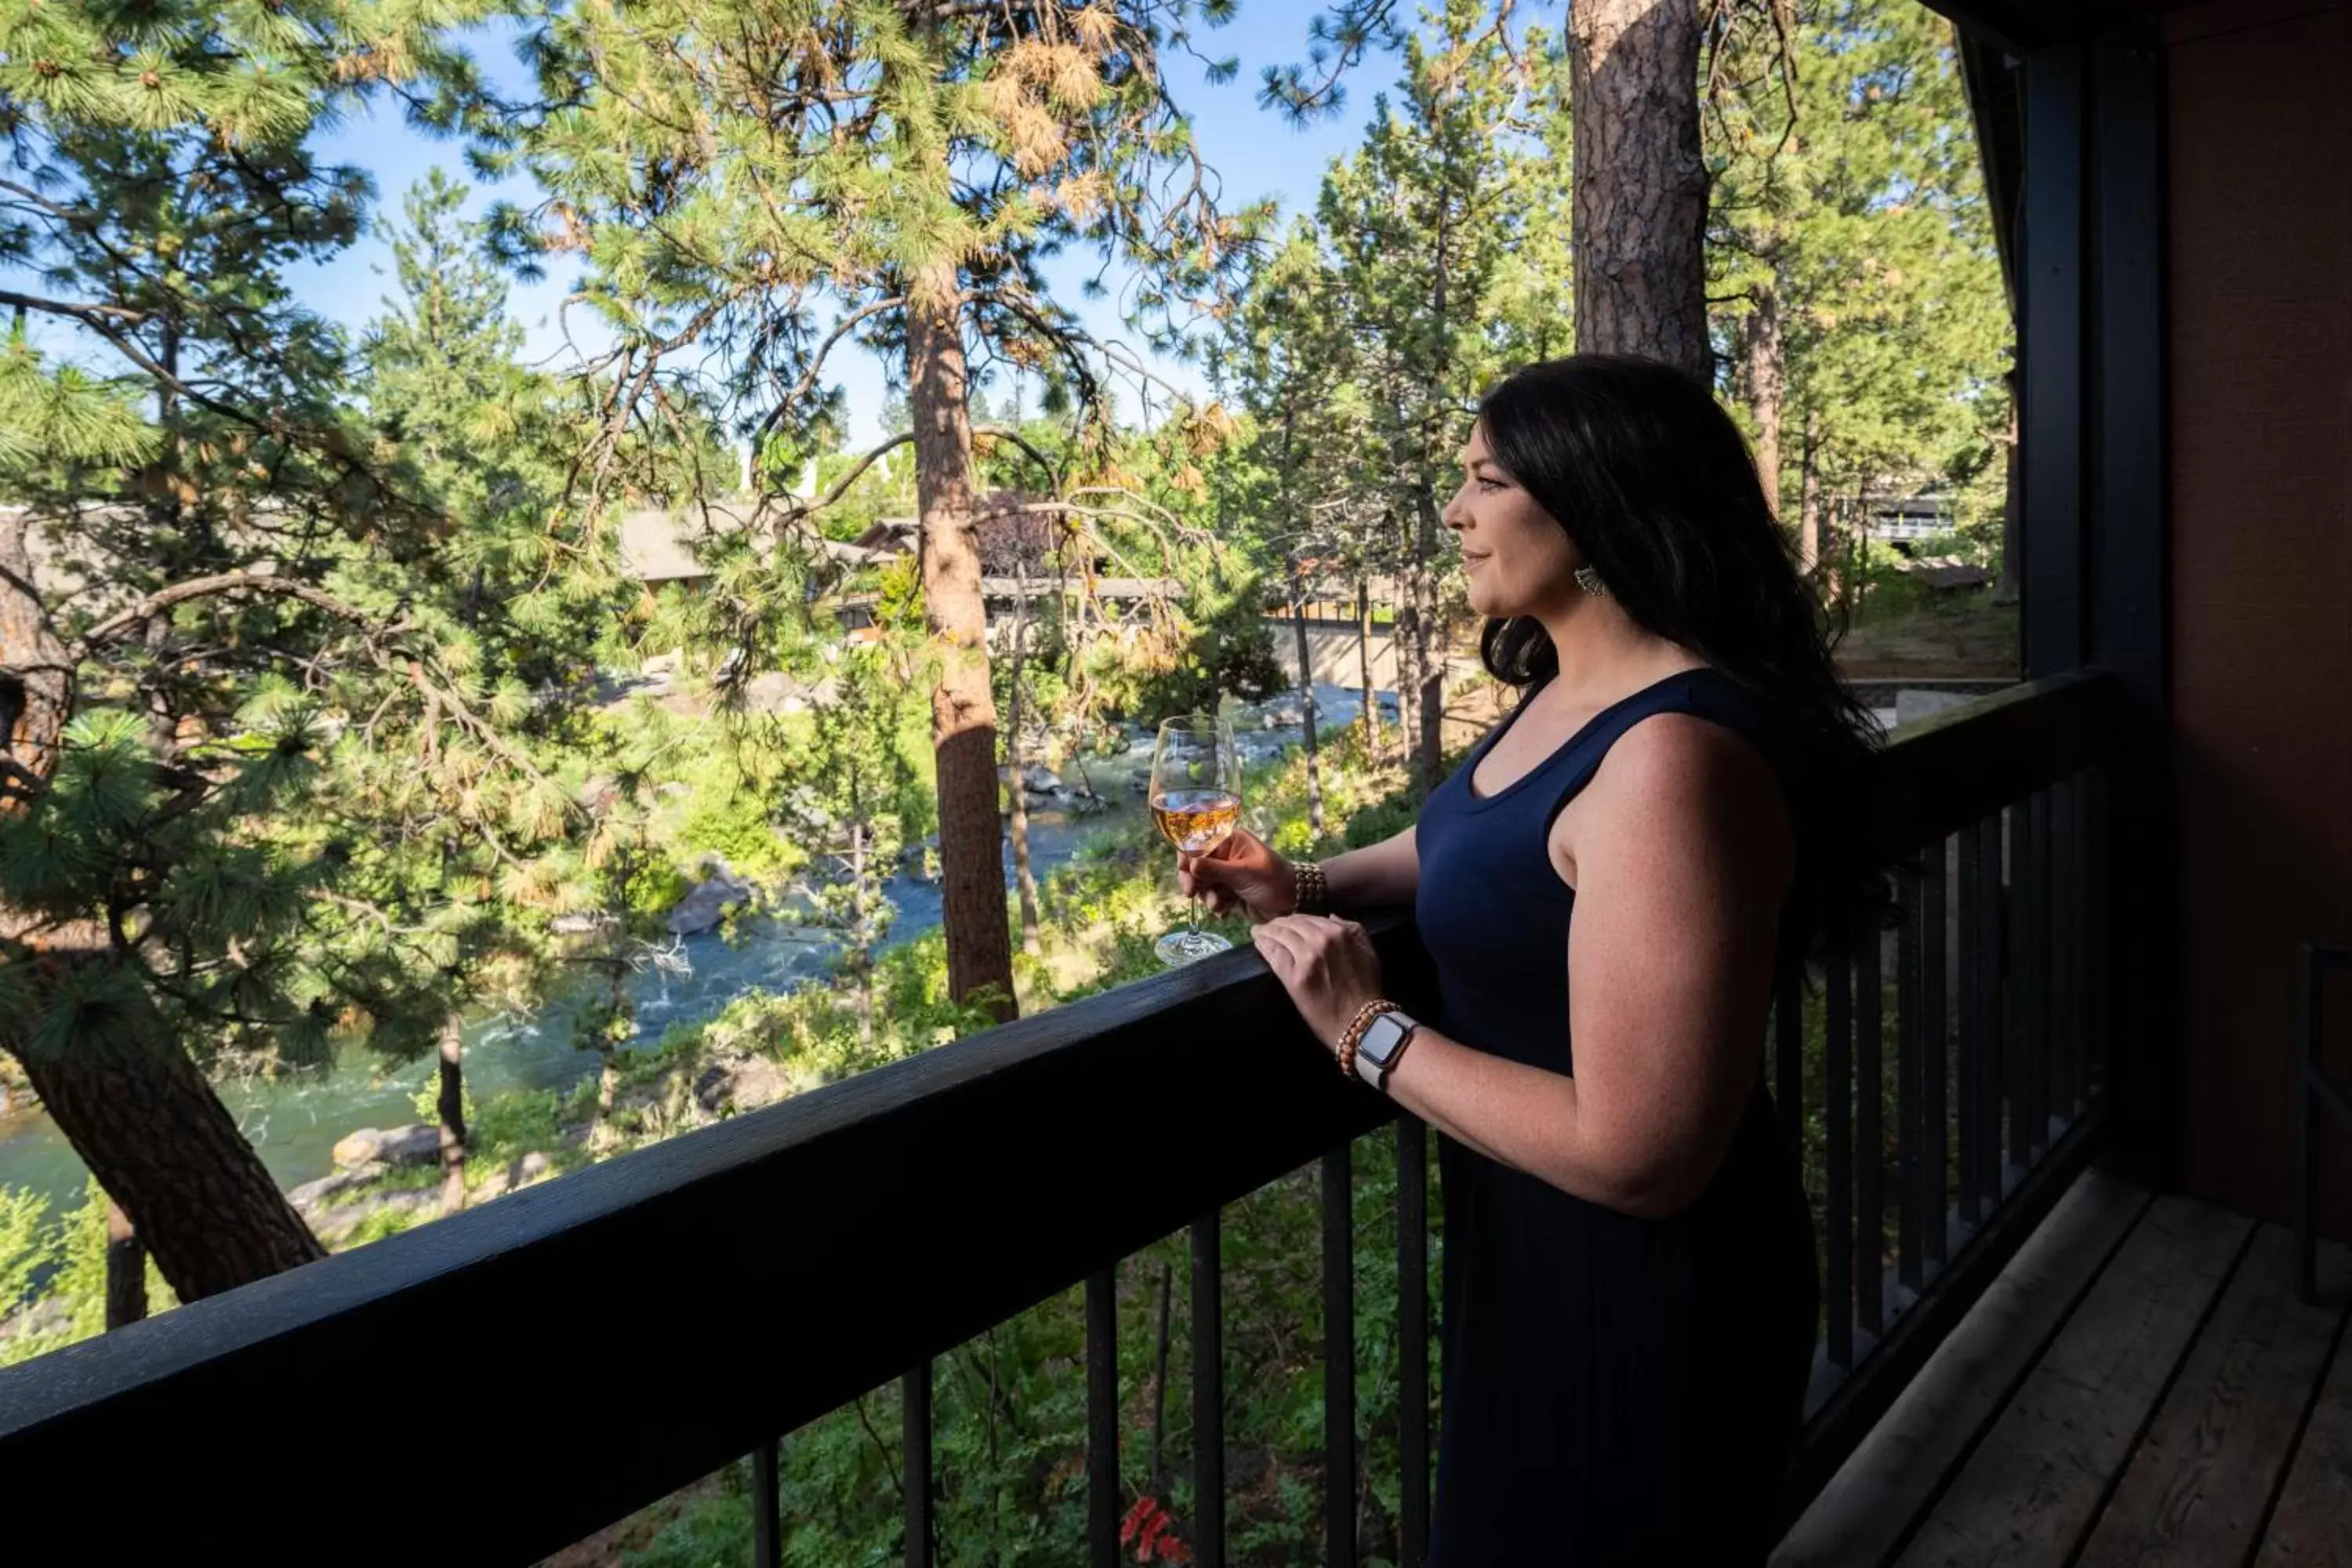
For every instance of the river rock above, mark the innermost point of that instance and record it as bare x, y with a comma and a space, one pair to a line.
410, 1145
740, 1083
532, 1166
1039, 779
311, 1194
705, 904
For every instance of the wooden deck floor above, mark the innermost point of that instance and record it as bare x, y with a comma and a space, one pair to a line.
2141, 1387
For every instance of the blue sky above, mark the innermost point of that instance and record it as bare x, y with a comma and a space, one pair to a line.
1255, 152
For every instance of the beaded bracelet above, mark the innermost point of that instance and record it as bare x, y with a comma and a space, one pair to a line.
1314, 888
1354, 1032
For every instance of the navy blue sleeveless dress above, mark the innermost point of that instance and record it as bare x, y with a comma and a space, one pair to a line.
1616, 1390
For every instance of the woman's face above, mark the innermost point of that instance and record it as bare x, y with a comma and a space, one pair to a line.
1515, 555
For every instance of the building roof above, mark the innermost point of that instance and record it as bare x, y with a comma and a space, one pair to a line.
657, 542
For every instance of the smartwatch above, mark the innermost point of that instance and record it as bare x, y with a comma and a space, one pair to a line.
1383, 1043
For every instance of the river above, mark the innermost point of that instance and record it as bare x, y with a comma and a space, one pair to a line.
296, 1119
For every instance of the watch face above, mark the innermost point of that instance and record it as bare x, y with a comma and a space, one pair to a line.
1381, 1038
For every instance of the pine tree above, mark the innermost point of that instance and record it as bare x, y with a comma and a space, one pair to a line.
203, 591
1851, 242
1419, 221
442, 808
729, 172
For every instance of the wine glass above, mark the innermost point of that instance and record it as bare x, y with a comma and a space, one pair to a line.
1196, 800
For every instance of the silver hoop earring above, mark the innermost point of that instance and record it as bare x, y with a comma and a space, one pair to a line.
1589, 579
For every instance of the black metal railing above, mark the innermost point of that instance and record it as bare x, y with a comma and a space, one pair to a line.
841, 1217
2316, 1089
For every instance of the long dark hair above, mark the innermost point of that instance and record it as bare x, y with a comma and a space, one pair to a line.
1647, 473
1654, 483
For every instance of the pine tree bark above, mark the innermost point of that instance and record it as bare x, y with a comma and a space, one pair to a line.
964, 713
126, 1269
1764, 378
35, 672
1638, 185
1364, 665
163, 1147
451, 1105
1022, 877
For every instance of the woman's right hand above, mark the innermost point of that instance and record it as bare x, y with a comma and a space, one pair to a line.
1242, 873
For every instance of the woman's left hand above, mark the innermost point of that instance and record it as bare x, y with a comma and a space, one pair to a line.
1326, 963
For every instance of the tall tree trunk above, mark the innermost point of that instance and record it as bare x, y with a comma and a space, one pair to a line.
1022, 875
2012, 507
1764, 375
1429, 653
163, 1146
1809, 502
964, 713
1639, 185
35, 673
1306, 701
1364, 664
451, 1104
126, 1269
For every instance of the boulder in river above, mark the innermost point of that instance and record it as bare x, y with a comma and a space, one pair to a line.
706, 903
411, 1145
311, 1194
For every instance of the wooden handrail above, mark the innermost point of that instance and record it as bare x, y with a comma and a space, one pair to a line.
859, 1228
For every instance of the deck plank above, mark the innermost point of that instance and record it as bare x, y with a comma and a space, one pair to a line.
2313, 1521
2196, 1488
2029, 1492
1865, 1510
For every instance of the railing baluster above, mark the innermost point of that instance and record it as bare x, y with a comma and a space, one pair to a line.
1208, 1394
767, 1542
2024, 1061
1870, 1134
1338, 1357
2066, 977
1994, 1043
1102, 1420
1413, 1329
915, 1425
1935, 1032
1970, 998
1837, 1091
1911, 1097
2078, 944
2037, 969
2099, 918
1789, 1053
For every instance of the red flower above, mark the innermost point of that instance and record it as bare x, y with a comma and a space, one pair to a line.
1137, 1518
1149, 1528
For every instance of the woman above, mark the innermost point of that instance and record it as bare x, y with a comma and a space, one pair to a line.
1630, 1294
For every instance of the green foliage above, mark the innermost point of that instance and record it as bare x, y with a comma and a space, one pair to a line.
1864, 225
26, 1247
56, 1265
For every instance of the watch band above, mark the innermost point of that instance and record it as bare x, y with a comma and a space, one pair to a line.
1375, 1064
